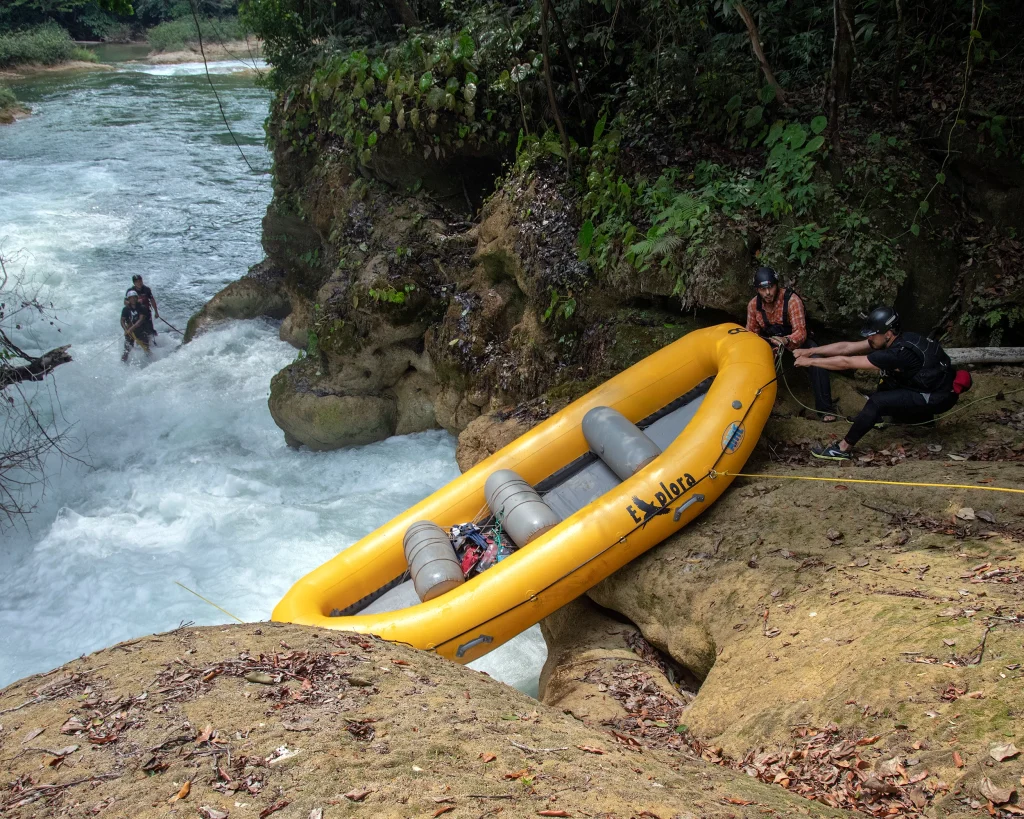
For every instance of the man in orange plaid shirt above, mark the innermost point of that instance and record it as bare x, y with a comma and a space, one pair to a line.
779, 316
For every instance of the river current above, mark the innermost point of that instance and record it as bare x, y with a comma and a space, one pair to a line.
180, 473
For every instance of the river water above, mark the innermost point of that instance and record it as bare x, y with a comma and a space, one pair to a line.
181, 473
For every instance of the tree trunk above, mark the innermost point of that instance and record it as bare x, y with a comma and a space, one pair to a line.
986, 355
842, 70
897, 74
755, 44
552, 101
569, 59
37, 368
404, 12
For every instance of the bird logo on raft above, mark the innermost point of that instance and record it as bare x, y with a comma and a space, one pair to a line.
662, 499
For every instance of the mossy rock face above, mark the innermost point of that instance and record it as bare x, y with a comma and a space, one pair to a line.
328, 421
640, 333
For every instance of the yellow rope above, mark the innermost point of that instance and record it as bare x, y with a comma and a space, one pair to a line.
864, 480
197, 594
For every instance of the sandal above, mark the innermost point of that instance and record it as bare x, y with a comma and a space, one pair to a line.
831, 418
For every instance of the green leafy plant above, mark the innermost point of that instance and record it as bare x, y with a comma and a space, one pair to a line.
389, 295
560, 306
803, 241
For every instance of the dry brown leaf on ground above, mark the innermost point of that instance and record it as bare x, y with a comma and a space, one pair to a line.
732, 800
358, 794
486, 756
445, 809
280, 804
957, 759
591, 749
182, 793
212, 813
1001, 752
518, 774
205, 735
72, 725
995, 794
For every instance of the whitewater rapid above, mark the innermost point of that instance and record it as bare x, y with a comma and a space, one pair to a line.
181, 475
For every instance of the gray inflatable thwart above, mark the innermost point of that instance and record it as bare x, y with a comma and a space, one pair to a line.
523, 515
618, 442
432, 562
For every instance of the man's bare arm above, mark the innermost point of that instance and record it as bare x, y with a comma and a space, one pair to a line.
846, 348
837, 362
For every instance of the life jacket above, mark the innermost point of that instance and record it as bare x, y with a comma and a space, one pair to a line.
936, 372
783, 329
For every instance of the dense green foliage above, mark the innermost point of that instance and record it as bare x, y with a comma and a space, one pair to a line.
7, 98
173, 34
117, 20
47, 44
670, 129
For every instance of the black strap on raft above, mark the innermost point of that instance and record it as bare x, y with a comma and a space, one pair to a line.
359, 605
783, 329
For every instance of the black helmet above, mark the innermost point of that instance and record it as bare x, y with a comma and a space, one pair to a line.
881, 320
765, 276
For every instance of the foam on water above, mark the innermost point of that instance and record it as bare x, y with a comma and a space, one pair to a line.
184, 475
194, 69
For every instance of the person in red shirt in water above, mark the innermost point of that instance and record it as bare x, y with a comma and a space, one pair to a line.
779, 317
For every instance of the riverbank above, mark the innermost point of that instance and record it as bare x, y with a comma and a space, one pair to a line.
233, 51
240, 50
20, 72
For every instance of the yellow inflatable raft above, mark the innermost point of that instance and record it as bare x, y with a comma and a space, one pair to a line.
700, 402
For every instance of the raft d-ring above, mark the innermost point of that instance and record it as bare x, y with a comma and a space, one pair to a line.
712, 474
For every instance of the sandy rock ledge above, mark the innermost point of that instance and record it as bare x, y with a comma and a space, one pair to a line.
263, 719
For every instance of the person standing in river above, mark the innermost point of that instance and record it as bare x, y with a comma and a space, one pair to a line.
779, 317
918, 380
135, 319
146, 300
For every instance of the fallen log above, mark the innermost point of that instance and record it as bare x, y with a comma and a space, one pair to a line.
986, 355
36, 369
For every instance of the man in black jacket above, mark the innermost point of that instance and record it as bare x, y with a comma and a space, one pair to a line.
135, 321
146, 300
917, 377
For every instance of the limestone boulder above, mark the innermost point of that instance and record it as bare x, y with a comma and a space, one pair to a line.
586, 646
484, 436
323, 420
258, 294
